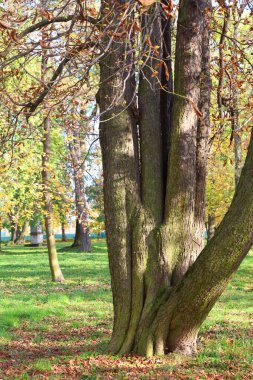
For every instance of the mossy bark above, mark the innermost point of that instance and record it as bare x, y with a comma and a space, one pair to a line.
163, 282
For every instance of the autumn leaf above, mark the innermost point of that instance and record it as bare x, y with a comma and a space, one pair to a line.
166, 70
148, 3
4, 25
14, 36
137, 26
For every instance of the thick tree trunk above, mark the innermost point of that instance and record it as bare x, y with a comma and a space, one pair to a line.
125, 219
82, 238
177, 322
184, 204
163, 282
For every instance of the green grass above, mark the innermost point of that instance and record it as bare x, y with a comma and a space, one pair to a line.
60, 331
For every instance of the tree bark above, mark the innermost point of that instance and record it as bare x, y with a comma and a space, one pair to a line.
163, 282
56, 272
82, 236
63, 232
123, 211
188, 139
21, 237
14, 229
234, 109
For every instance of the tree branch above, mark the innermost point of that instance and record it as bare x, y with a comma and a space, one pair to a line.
46, 22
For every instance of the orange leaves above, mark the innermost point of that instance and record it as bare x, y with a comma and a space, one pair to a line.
166, 70
137, 27
168, 8
13, 35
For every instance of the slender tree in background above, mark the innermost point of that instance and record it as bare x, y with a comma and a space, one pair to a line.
82, 237
56, 272
63, 231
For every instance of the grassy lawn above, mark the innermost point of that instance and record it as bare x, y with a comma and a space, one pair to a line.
60, 331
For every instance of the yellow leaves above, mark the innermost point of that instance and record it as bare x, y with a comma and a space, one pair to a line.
148, 3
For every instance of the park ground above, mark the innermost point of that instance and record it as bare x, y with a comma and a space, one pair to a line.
60, 331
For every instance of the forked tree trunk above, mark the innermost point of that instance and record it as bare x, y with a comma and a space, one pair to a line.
163, 282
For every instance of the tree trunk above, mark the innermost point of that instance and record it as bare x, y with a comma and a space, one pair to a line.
82, 236
56, 272
14, 229
21, 237
234, 109
63, 232
163, 282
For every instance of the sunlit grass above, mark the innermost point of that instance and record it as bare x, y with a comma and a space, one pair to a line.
53, 323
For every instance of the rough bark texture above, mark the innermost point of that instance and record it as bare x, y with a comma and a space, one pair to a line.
186, 170
166, 92
163, 287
